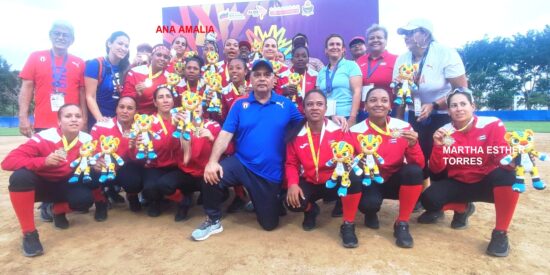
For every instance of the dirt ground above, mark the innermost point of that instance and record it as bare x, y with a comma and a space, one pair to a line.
134, 243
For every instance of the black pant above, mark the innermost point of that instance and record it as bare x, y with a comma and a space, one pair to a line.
374, 194
128, 176
156, 179
78, 195
179, 180
452, 191
426, 130
264, 194
314, 192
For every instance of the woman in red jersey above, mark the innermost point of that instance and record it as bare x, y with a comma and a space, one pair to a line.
41, 172
400, 174
466, 176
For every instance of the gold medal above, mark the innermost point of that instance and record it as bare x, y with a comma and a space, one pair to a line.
148, 83
242, 89
448, 140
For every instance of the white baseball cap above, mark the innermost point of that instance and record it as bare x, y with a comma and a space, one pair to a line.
415, 24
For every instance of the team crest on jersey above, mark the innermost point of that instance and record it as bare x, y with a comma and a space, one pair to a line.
42, 59
245, 105
482, 137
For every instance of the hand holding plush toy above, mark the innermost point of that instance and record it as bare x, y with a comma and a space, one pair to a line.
190, 103
214, 92
343, 158
369, 146
405, 84
108, 146
142, 127
83, 162
212, 59
171, 81
523, 156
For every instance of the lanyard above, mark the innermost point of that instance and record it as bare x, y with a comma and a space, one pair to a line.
66, 146
331, 79
420, 66
162, 124
377, 129
151, 76
58, 76
314, 156
369, 72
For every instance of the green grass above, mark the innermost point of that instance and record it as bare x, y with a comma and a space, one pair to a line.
9, 132
537, 126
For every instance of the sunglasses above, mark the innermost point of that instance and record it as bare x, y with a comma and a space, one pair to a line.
461, 90
411, 32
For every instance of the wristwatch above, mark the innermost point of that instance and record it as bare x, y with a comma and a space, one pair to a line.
435, 106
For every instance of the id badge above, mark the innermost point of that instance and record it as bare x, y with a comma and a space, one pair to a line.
365, 90
331, 107
57, 100
417, 107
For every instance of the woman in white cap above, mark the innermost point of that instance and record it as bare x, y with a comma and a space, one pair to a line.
439, 69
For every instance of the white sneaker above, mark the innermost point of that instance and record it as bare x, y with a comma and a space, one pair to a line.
207, 228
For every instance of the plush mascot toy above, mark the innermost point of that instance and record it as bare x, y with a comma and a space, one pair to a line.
108, 146
523, 156
212, 59
294, 79
343, 159
190, 103
179, 67
405, 84
256, 51
369, 146
142, 127
83, 162
171, 81
214, 91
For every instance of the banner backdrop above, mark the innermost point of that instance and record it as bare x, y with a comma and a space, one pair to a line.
257, 20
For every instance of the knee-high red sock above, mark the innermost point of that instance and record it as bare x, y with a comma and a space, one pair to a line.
176, 196
98, 195
505, 205
61, 208
408, 196
23, 205
350, 203
239, 191
455, 206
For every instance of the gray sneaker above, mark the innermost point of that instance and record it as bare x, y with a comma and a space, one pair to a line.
207, 228
46, 212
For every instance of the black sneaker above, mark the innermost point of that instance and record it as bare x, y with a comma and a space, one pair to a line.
154, 209
31, 244
46, 212
429, 217
133, 202
310, 218
460, 220
237, 205
182, 212
337, 210
418, 207
498, 246
347, 232
371, 220
402, 236
100, 211
60, 221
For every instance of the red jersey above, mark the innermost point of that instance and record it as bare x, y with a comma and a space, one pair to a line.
298, 155
200, 150
112, 128
168, 148
32, 155
282, 74
475, 153
377, 72
394, 151
230, 94
38, 69
224, 72
309, 78
144, 101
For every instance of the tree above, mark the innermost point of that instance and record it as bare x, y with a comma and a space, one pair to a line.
9, 88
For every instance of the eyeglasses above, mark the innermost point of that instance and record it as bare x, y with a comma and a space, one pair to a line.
61, 34
411, 32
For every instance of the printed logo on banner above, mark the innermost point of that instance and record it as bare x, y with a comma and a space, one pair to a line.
228, 15
307, 8
260, 11
284, 10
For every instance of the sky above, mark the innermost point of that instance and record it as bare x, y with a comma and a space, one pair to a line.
25, 23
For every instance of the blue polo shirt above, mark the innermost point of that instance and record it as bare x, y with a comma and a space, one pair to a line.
259, 131
341, 88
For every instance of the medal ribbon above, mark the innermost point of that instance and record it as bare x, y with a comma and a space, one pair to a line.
151, 76
66, 146
162, 124
314, 156
377, 129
